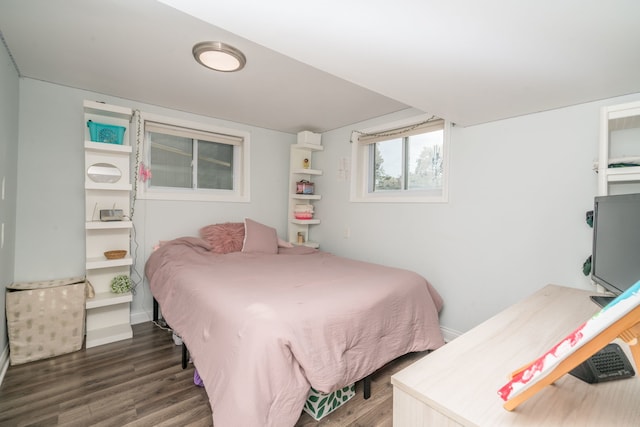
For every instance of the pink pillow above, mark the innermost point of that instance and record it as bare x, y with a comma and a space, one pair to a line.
259, 238
224, 238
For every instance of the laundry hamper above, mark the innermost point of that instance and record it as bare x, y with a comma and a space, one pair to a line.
45, 319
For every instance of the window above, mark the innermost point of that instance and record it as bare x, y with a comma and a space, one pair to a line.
190, 161
402, 162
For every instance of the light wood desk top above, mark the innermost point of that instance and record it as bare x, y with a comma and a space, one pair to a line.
458, 383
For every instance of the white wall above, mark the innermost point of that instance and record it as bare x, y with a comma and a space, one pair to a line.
9, 84
50, 207
519, 190
515, 221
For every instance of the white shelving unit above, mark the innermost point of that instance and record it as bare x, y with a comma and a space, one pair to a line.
298, 172
108, 314
619, 143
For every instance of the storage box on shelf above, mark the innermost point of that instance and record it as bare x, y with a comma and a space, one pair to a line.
306, 137
107, 186
302, 171
303, 211
109, 134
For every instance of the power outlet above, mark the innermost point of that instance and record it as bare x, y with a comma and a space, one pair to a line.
347, 232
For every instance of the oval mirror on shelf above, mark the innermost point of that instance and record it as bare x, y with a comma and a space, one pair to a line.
104, 173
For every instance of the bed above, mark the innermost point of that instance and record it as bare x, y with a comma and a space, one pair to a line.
265, 323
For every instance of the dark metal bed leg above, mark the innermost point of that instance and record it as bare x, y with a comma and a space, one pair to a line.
367, 387
185, 351
185, 356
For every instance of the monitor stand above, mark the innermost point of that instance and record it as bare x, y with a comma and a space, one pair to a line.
608, 364
602, 300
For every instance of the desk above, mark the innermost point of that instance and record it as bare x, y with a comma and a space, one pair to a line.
457, 384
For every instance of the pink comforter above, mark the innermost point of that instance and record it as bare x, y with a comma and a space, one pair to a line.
262, 329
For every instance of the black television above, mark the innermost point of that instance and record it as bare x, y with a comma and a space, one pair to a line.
615, 260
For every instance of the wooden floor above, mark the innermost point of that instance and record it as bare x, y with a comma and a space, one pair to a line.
139, 382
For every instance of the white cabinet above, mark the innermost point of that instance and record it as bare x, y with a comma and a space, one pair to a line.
301, 169
619, 145
107, 186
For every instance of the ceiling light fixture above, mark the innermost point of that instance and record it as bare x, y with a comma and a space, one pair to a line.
219, 56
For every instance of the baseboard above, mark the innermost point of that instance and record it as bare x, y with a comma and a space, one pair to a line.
4, 362
141, 317
449, 334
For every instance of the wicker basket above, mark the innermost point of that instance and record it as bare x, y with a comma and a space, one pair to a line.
115, 254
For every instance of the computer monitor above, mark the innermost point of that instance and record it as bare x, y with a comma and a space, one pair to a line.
615, 260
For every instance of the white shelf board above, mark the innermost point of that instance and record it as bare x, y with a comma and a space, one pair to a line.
107, 225
103, 147
306, 196
90, 185
305, 221
104, 299
311, 147
303, 171
108, 335
103, 262
310, 244
631, 173
94, 107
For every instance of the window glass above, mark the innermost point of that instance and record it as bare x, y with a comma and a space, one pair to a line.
187, 161
215, 165
387, 170
171, 161
404, 162
425, 161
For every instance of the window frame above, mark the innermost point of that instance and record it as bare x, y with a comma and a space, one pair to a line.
241, 178
362, 163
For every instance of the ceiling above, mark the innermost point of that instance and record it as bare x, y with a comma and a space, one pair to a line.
323, 65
